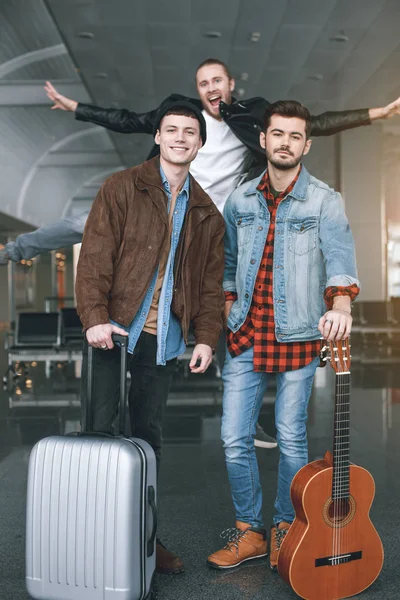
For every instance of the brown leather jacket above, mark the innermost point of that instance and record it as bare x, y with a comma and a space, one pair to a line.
121, 247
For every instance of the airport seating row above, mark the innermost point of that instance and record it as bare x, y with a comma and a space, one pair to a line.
43, 336
377, 315
57, 337
376, 331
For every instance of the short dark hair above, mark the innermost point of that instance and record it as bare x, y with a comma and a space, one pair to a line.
288, 108
182, 111
214, 61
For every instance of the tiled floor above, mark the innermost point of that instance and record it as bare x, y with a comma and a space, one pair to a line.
194, 498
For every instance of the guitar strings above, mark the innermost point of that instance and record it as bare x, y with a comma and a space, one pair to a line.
337, 455
342, 479
340, 429
341, 450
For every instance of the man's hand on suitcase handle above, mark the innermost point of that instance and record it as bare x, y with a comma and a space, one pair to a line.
203, 354
99, 336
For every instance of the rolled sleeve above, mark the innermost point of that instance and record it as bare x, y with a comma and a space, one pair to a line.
332, 291
230, 296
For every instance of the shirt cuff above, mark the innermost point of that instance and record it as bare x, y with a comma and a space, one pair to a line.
230, 296
338, 290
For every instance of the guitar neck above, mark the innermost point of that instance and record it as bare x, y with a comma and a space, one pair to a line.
341, 438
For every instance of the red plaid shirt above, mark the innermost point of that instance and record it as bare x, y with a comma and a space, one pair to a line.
258, 330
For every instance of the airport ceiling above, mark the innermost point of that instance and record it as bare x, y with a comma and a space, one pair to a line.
330, 54
146, 49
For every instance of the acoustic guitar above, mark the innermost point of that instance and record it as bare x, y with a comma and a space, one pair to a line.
332, 550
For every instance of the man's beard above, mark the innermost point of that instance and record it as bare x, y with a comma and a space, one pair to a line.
282, 164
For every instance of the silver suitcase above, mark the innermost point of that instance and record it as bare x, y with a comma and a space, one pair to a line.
91, 513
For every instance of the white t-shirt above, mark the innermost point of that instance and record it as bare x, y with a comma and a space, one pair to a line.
218, 166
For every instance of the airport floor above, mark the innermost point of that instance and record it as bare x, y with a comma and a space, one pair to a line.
194, 499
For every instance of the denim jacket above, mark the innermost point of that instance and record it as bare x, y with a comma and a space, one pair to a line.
313, 250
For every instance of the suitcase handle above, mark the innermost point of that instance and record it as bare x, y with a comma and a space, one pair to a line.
123, 341
152, 501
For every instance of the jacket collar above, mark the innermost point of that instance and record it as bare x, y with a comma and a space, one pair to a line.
149, 174
299, 192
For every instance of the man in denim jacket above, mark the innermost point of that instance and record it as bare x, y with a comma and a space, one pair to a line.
288, 250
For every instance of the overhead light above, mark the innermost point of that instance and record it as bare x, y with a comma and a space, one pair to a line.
85, 35
340, 37
244, 76
241, 92
212, 34
101, 75
316, 76
254, 37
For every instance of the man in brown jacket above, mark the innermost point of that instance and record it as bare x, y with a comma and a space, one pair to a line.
151, 264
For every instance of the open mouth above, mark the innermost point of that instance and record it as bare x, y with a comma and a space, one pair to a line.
215, 100
179, 149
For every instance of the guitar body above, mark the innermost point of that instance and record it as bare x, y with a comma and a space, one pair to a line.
331, 551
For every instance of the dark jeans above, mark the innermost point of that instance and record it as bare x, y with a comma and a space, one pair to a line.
148, 393
221, 349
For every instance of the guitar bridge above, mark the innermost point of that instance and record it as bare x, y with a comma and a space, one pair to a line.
331, 561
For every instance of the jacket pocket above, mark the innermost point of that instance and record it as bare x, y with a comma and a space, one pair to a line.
244, 227
302, 235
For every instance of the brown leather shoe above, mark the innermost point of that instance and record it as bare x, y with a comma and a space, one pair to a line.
278, 533
167, 563
244, 542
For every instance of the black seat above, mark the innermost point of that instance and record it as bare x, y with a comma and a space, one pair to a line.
71, 326
376, 313
378, 330
395, 304
37, 329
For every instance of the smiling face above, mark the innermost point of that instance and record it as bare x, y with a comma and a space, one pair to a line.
179, 139
214, 85
285, 142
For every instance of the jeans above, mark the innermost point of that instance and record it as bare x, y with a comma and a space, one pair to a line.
243, 395
60, 234
147, 395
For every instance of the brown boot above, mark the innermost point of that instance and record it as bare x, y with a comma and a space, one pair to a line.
167, 562
278, 532
244, 542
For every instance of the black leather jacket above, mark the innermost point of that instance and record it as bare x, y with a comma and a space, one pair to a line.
244, 117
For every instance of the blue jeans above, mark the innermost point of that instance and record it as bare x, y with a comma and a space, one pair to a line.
243, 395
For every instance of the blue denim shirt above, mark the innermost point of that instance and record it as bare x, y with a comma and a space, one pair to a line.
313, 249
170, 342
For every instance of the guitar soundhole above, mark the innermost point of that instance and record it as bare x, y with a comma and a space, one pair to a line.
338, 513
339, 510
